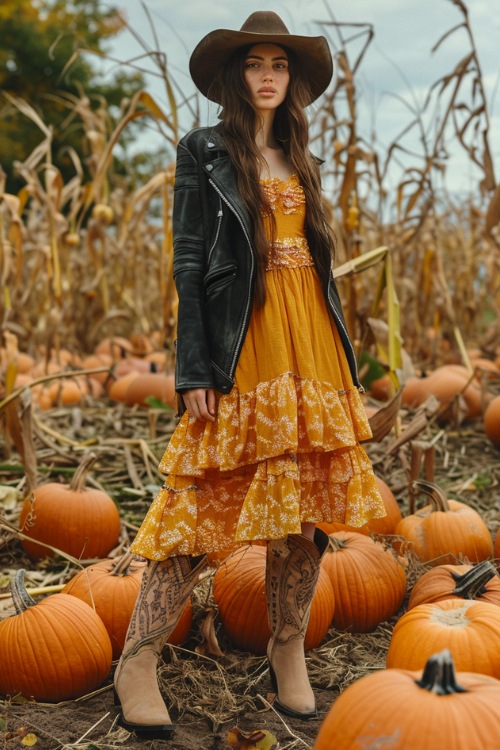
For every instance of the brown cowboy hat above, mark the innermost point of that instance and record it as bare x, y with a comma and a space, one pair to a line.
216, 48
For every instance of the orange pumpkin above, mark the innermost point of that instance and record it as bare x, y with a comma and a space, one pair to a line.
445, 530
96, 361
369, 584
68, 390
132, 364
480, 582
449, 383
496, 546
239, 590
484, 368
24, 362
414, 392
157, 358
80, 521
492, 421
470, 629
141, 344
151, 385
53, 650
63, 358
117, 389
382, 388
403, 710
112, 587
117, 347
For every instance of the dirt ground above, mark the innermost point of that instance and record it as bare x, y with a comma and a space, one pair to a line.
208, 696
206, 701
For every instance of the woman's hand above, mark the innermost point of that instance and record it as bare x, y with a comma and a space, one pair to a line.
200, 403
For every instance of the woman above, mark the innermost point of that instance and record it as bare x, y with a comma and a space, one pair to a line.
269, 443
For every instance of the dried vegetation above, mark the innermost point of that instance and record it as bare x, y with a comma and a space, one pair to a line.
89, 259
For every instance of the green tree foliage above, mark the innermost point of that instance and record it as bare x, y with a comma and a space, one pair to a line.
40, 63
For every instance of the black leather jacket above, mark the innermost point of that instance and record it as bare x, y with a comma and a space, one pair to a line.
214, 267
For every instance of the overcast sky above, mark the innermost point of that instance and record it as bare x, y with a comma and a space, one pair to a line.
399, 61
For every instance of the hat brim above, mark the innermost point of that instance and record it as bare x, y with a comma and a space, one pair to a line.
217, 47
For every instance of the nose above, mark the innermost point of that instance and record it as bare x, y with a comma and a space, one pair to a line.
267, 73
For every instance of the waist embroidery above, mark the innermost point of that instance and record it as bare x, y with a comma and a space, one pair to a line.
289, 252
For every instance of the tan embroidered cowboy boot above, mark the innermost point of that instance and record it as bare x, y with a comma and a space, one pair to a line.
291, 575
165, 589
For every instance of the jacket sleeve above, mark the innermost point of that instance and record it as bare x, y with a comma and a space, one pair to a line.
193, 368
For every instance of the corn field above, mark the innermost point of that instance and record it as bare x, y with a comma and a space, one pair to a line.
90, 258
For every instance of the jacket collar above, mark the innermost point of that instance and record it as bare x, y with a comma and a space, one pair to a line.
215, 142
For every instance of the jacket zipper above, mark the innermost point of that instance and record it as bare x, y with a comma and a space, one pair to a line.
219, 223
218, 278
247, 307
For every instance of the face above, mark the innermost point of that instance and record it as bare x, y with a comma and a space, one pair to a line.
267, 76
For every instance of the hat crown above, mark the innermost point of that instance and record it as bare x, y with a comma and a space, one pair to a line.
215, 50
264, 22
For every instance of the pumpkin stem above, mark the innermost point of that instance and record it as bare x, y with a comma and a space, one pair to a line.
335, 543
77, 483
22, 600
436, 495
439, 675
473, 583
122, 565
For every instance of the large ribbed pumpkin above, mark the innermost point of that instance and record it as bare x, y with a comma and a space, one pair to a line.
403, 710
81, 521
53, 650
445, 530
470, 629
239, 590
112, 587
385, 525
480, 582
369, 584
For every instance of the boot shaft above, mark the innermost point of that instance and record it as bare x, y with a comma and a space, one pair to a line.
165, 588
292, 571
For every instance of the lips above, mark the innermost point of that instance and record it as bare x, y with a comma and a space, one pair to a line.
266, 90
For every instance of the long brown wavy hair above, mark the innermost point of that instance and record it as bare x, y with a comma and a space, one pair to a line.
291, 128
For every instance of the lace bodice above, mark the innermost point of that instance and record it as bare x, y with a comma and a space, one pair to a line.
287, 201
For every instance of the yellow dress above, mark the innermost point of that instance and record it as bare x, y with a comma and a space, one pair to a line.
284, 448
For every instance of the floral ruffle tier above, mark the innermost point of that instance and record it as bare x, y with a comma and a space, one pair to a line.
285, 446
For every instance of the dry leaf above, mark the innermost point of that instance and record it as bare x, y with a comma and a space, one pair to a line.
383, 420
258, 739
209, 645
8, 497
29, 740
